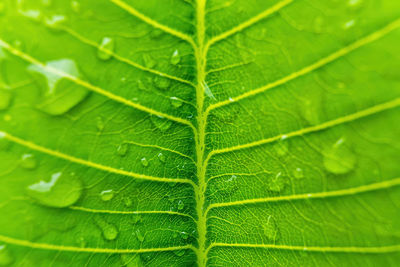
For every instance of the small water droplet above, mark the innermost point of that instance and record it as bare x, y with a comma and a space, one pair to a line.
156, 33
5, 256
128, 202
162, 82
149, 62
181, 205
207, 91
348, 24
110, 232
139, 235
231, 99
60, 94
228, 186
28, 161
180, 252
175, 102
33, 14
5, 99
99, 123
62, 190
76, 6
161, 157
355, 4
184, 235
310, 112
278, 183
298, 173
281, 146
55, 21
106, 48
270, 229
339, 159
107, 195
144, 162
4, 143
161, 123
175, 57
122, 149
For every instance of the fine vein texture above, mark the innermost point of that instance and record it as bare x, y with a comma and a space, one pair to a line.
199, 133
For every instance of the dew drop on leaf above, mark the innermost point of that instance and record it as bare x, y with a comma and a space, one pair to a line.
298, 173
62, 190
162, 82
99, 123
106, 48
278, 183
184, 235
355, 4
5, 99
181, 205
281, 147
139, 235
161, 157
270, 229
348, 24
122, 149
161, 123
310, 112
107, 195
339, 159
175, 57
28, 161
60, 94
110, 232
149, 62
5, 256
144, 162
179, 252
4, 143
54, 21
175, 102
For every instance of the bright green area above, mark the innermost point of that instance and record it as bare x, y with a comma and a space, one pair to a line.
209, 133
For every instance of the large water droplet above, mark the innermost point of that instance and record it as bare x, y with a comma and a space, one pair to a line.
278, 183
110, 232
106, 48
175, 57
5, 99
282, 146
139, 235
107, 195
162, 82
175, 102
339, 159
60, 94
270, 229
161, 123
144, 162
62, 190
122, 149
149, 62
5, 256
28, 161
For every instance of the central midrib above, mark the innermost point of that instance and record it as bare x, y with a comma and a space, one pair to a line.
200, 134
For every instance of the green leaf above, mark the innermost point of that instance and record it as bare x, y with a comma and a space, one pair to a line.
209, 133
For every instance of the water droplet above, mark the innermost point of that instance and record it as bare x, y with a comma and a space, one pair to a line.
318, 24
99, 123
131, 260
175, 57
81, 241
175, 102
228, 186
181, 205
110, 232
4, 143
128, 202
76, 6
106, 48
355, 4
5, 99
55, 21
270, 229
156, 33
5, 256
144, 162
139, 235
348, 24
161, 82
277, 183
180, 252
107, 195
161, 123
62, 190
298, 173
161, 157
141, 85
281, 147
28, 161
310, 112
184, 235
207, 91
122, 149
33, 14
149, 62
339, 159
231, 99
61, 94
